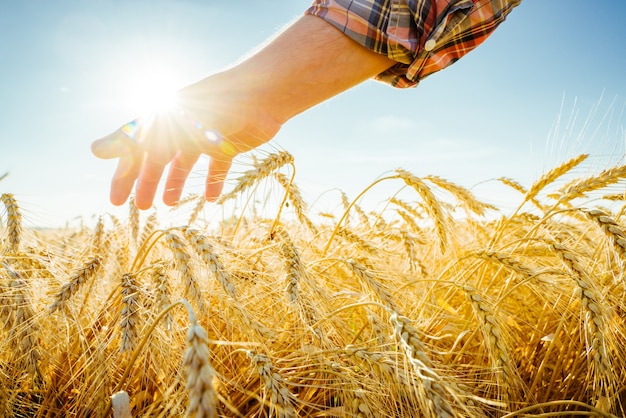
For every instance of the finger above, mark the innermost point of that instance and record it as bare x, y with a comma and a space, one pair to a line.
180, 168
218, 170
148, 181
124, 178
120, 143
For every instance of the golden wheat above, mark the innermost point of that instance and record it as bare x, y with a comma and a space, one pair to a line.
523, 314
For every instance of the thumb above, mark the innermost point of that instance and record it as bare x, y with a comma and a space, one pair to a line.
118, 144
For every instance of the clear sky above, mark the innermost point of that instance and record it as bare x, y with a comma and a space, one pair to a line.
548, 85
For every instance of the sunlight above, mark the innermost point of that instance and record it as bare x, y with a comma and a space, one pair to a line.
150, 89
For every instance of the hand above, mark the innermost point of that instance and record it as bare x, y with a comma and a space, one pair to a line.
307, 63
208, 119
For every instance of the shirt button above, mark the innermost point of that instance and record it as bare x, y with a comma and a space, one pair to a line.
430, 45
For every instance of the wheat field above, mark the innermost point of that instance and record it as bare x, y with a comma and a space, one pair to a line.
440, 305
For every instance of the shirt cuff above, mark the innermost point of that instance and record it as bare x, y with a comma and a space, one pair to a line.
423, 36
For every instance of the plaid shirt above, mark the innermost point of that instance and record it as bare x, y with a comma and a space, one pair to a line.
423, 36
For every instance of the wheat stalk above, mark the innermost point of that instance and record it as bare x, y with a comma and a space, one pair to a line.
205, 250
183, 265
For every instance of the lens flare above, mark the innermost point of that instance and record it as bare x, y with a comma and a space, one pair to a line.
132, 129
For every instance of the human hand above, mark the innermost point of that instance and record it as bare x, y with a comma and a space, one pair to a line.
206, 120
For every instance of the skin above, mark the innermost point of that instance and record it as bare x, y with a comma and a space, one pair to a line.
306, 64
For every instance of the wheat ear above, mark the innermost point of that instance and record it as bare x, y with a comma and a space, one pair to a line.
148, 228
578, 187
163, 291
295, 198
293, 264
133, 220
552, 175
280, 396
14, 222
199, 373
464, 196
24, 330
431, 204
505, 260
130, 313
612, 229
197, 210
77, 279
261, 170
364, 274
98, 234
354, 238
183, 265
498, 350
595, 320
205, 250
437, 400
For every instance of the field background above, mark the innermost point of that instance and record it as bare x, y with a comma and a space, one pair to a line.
436, 304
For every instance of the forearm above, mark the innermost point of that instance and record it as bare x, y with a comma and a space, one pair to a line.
309, 62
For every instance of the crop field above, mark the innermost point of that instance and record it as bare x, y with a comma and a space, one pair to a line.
436, 305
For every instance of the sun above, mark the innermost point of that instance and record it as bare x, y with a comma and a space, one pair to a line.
151, 89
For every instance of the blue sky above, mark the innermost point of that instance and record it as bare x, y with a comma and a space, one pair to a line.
546, 86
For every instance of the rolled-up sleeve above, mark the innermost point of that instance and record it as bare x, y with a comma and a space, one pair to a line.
422, 36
